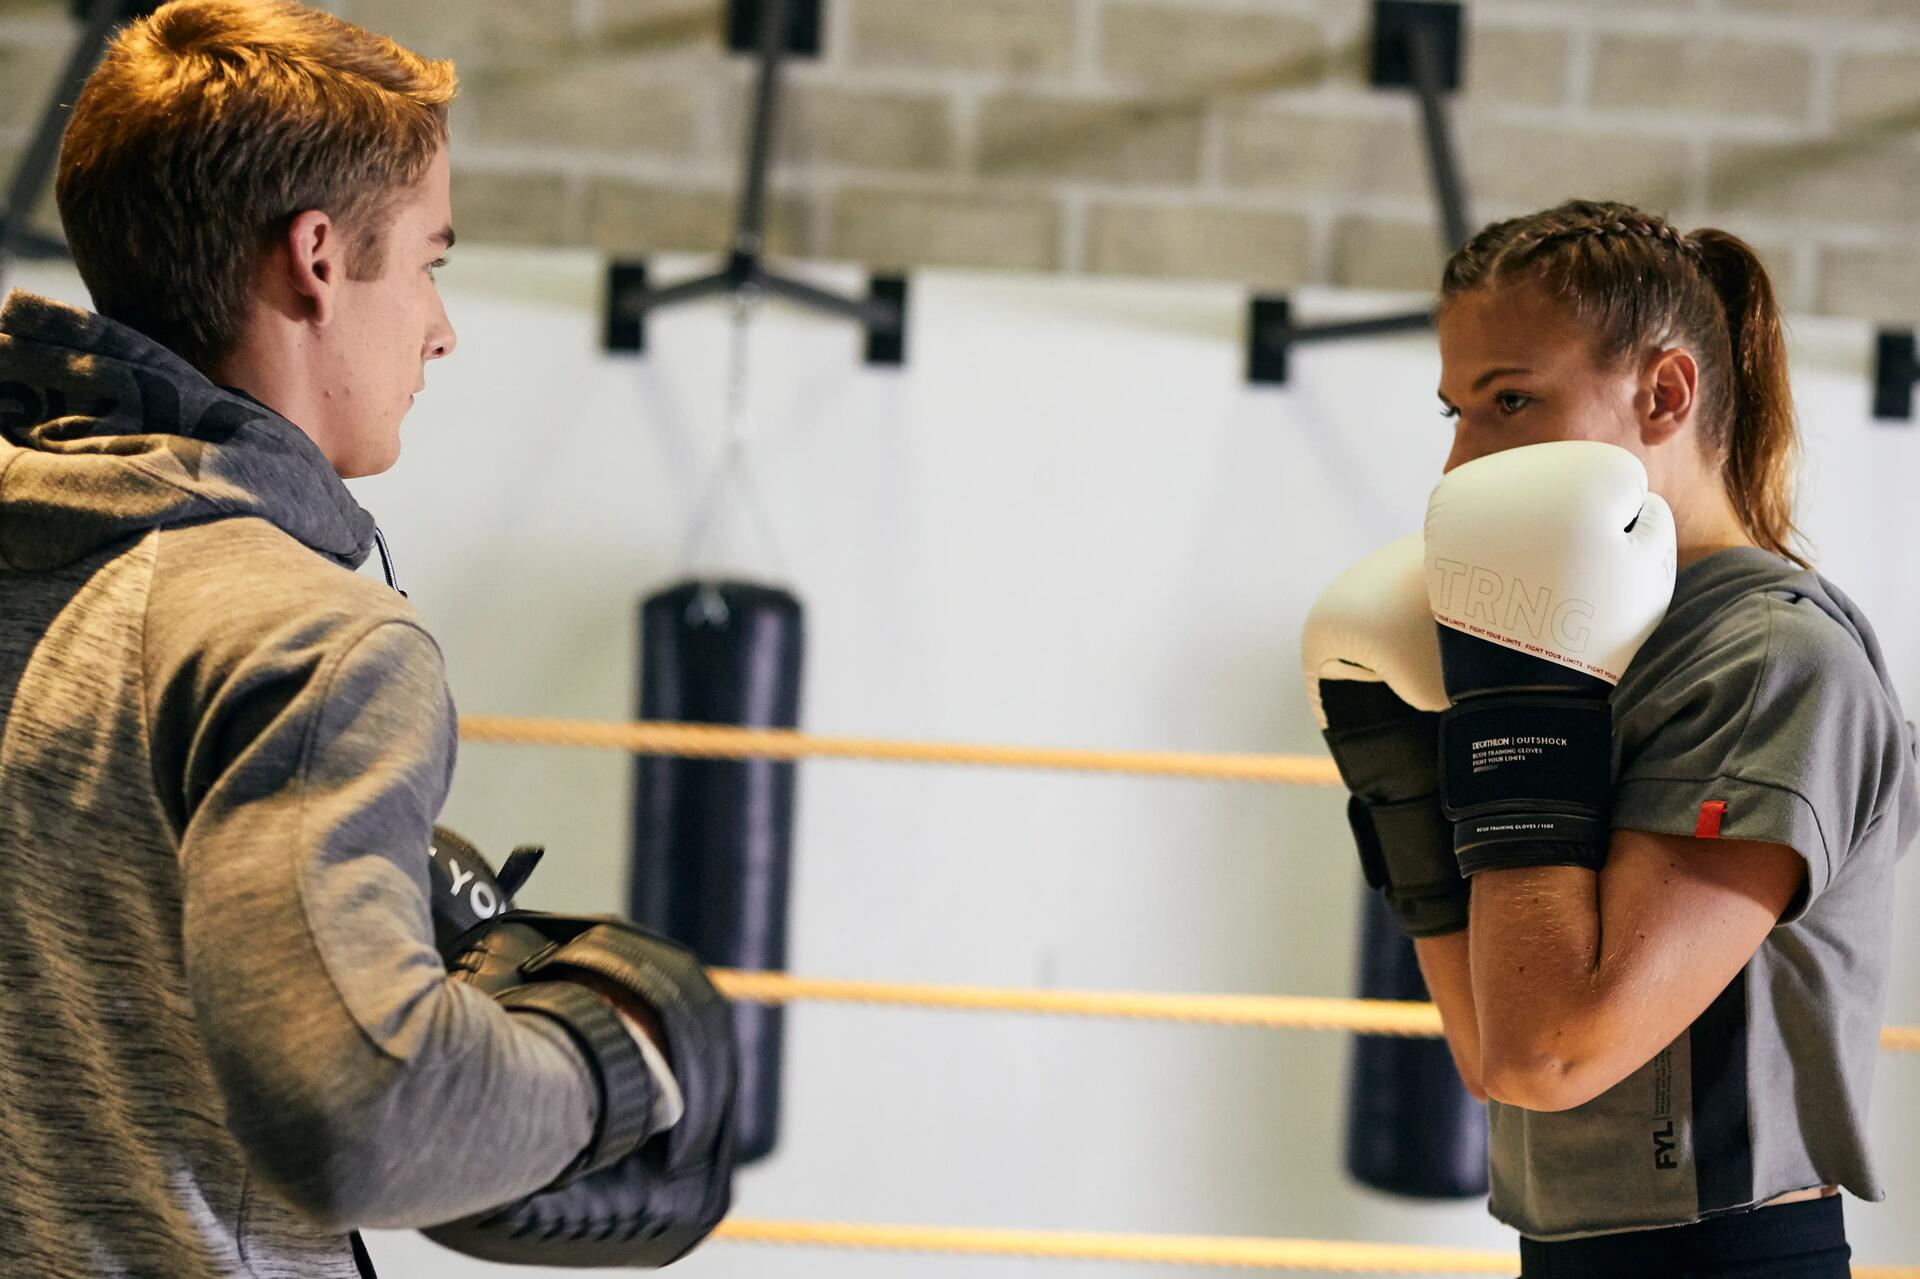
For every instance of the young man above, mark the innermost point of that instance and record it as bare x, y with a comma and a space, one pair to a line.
230, 1039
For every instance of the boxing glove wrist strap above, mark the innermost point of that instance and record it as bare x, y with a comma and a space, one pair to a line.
1389, 758
628, 1087
1388, 755
1406, 852
1526, 780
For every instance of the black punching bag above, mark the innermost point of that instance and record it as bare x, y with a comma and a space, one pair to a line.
1412, 1127
713, 839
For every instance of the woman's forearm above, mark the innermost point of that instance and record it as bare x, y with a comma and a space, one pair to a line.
1536, 974
1446, 965
1580, 978
1515, 989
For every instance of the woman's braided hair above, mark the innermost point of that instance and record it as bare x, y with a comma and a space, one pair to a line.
1638, 283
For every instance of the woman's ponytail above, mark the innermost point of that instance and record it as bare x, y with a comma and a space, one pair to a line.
1763, 442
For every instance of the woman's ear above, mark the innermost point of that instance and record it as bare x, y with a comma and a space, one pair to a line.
1669, 395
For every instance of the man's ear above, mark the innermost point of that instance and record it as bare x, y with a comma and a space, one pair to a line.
314, 263
1669, 394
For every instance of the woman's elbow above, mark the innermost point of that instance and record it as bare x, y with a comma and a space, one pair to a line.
1536, 1079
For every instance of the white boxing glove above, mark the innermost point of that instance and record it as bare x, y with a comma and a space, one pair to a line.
1373, 624
1371, 658
1548, 566
1555, 550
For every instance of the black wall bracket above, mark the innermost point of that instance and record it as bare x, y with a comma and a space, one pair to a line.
803, 27
1273, 335
1270, 348
629, 297
1418, 45
887, 343
1399, 29
1896, 367
779, 29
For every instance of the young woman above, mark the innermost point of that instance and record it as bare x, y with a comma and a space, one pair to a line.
1677, 1034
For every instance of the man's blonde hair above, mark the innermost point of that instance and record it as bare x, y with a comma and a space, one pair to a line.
207, 128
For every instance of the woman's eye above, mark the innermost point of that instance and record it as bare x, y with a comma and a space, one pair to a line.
1512, 402
1448, 410
434, 267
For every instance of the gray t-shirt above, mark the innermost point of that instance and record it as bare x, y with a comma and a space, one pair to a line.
1759, 710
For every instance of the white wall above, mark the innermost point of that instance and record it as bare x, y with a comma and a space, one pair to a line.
1067, 522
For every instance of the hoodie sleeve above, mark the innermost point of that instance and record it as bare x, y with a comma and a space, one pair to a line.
359, 1081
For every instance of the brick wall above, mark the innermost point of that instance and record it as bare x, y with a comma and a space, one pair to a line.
1230, 139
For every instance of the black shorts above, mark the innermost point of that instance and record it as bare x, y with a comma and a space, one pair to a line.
1805, 1240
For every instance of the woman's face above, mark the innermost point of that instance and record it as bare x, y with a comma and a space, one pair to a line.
1516, 368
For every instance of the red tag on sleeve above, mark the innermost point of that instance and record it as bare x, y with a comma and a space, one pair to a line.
1708, 824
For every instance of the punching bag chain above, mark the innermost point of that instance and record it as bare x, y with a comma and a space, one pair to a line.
732, 486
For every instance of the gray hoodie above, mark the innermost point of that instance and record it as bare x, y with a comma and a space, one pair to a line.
228, 1039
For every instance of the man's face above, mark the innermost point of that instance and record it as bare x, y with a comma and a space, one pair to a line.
386, 329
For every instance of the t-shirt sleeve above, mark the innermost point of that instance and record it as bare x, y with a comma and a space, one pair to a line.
1776, 729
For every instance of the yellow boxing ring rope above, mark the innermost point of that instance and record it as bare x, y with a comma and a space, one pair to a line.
1250, 1254
1271, 1012
1322, 1256
1298, 1012
707, 741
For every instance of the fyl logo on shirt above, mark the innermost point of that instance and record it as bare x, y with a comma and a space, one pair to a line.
1666, 1144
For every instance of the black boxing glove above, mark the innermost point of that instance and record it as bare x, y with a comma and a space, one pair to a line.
464, 890
637, 1196
1372, 666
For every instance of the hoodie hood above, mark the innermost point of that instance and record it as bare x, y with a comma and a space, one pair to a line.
106, 434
